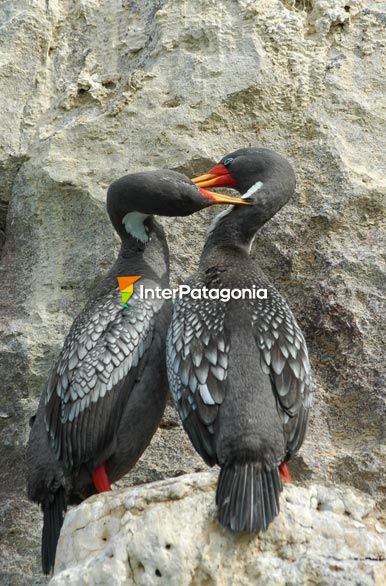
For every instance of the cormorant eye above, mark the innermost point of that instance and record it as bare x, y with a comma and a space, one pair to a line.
227, 162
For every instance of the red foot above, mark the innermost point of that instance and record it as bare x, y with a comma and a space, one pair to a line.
100, 479
285, 473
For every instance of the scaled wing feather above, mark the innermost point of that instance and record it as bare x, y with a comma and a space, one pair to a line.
84, 396
197, 358
284, 358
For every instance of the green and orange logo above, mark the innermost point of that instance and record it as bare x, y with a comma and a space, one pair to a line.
126, 287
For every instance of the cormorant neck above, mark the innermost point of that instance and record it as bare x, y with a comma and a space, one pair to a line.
149, 258
222, 254
131, 247
136, 226
236, 227
137, 235
135, 255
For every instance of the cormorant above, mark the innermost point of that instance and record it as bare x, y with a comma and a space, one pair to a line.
238, 369
106, 392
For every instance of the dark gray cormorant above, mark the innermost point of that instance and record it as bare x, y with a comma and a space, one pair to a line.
239, 370
106, 392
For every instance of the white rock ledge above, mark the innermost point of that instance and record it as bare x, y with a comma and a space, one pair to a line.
166, 533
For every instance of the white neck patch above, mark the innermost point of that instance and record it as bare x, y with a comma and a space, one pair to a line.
258, 185
134, 225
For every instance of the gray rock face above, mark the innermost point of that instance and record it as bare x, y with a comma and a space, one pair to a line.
166, 533
92, 90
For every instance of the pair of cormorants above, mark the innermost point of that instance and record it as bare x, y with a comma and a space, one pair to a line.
238, 370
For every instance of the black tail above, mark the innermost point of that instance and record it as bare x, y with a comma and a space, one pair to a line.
248, 496
53, 515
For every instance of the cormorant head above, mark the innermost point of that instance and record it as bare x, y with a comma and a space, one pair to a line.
133, 198
245, 168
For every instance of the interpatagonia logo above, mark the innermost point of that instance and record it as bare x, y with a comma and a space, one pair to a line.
126, 287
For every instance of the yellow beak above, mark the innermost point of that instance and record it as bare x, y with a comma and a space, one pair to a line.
205, 180
219, 198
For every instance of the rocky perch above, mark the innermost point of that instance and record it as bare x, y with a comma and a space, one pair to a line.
166, 533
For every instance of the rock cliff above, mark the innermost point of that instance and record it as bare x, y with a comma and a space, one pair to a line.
92, 90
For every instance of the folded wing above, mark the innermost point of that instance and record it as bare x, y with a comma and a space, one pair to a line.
284, 357
93, 377
197, 359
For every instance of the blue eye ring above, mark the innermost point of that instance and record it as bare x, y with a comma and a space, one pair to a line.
228, 161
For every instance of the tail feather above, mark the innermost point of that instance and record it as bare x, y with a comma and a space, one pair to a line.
53, 515
248, 496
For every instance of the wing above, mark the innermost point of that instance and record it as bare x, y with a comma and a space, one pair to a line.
94, 374
197, 359
284, 358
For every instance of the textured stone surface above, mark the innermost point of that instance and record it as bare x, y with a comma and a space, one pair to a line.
166, 534
91, 90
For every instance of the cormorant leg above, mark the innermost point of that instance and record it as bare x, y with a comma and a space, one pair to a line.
284, 472
100, 479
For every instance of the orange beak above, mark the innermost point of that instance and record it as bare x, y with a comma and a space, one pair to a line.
219, 176
220, 199
208, 180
